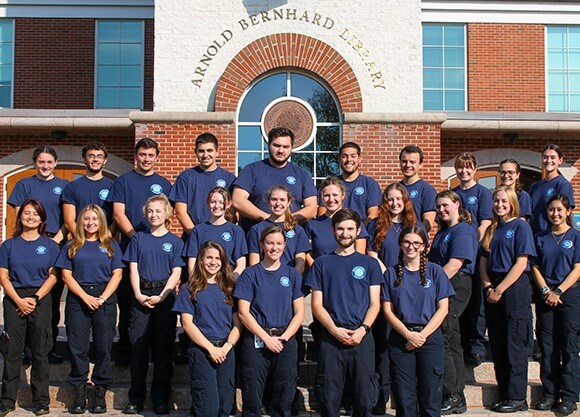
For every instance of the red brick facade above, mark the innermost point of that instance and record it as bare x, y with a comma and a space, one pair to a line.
288, 50
54, 64
505, 67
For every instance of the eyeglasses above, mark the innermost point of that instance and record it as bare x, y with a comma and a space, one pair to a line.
97, 157
408, 244
504, 173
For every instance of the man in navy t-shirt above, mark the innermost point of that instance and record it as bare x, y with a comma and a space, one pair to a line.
189, 193
363, 194
257, 178
129, 194
421, 192
92, 188
345, 299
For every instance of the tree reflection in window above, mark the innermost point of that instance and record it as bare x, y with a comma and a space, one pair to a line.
320, 157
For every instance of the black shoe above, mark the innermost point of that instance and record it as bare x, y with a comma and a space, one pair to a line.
161, 409
181, 358
474, 359
545, 403
54, 359
26, 357
567, 407
133, 409
345, 410
99, 403
4, 409
80, 403
41, 409
511, 406
453, 404
379, 410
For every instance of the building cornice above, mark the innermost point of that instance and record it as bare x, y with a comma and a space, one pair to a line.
89, 9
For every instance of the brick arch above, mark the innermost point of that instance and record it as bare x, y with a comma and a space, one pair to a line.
288, 50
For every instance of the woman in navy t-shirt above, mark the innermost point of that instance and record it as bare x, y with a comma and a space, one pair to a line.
504, 271
26, 266
91, 267
509, 175
210, 320
556, 271
415, 302
271, 307
455, 249
220, 228
280, 200
155, 264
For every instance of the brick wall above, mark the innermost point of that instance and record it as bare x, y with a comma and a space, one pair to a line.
506, 67
54, 64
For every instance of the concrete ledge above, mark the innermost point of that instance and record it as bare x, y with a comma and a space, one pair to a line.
389, 118
46, 120
185, 117
512, 125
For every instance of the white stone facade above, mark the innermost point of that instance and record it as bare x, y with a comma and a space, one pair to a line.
196, 39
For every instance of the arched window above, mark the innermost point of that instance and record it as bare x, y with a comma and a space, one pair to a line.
319, 111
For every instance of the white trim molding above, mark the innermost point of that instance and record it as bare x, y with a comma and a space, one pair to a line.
90, 9
494, 11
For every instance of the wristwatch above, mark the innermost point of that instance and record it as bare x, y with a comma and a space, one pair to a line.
36, 298
366, 327
545, 289
558, 291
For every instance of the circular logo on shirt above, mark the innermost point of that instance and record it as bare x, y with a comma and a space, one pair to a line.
509, 233
428, 283
567, 244
156, 189
226, 236
103, 194
57, 190
358, 272
413, 193
103, 250
167, 247
549, 191
447, 237
41, 250
359, 190
472, 200
285, 281
291, 180
290, 234
220, 183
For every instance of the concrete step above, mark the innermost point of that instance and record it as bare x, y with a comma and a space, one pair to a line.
59, 373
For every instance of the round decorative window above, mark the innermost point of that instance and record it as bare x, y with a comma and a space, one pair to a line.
300, 103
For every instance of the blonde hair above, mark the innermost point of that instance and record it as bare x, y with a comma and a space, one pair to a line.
103, 234
166, 206
514, 212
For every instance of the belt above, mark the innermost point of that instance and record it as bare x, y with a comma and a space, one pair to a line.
275, 331
151, 285
219, 342
414, 327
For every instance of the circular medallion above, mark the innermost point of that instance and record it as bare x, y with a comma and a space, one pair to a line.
292, 114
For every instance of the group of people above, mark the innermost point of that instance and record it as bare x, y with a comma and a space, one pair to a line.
392, 310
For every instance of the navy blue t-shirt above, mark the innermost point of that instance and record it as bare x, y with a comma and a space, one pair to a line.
28, 262
192, 186
47, 192
389, 253
423, 196
362, 194
296, 241
557, 254
211, 314
525, 202
270, 293
229, 235
156, 256
412, 302
344, 282
459, 241
319, 231
133, 190
478, 201
258, 177
84, 191
540, 192
91, 264
510, 240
